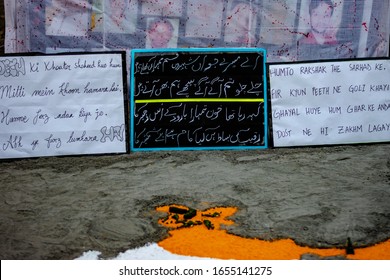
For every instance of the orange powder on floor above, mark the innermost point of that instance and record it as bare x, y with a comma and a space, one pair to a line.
202, 236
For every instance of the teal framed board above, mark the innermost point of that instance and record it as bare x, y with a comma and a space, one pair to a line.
190, 99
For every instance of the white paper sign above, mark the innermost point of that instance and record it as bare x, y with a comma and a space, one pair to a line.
62, 105
338, 102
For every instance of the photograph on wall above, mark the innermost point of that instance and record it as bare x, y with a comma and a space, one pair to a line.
375, 28
67, 18
162, 8
61, 26
328, 29
161, 33
115, 16
240, 23
204, 19
278, 22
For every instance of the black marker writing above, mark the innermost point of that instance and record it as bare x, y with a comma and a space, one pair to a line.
112, 133
11, 92
13, 142
379, 127
53, 66
88, 88
34, 144
43, 92
41, 116
84, 114
66, 90
73, 138
51, 140
64, 115
84, 64
8, 119
99, 113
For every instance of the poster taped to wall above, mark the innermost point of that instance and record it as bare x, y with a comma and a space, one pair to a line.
55, 105
330, 102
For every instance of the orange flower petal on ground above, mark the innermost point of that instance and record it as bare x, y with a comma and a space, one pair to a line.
202, 236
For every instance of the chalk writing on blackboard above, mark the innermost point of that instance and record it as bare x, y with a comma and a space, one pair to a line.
185, 99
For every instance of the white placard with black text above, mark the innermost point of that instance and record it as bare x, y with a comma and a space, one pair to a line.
335, 102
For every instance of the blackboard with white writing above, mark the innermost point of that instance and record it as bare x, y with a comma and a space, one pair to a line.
198, 99
52, 105
330, 102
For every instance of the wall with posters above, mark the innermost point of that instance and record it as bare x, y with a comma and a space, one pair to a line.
293, 30
289, 31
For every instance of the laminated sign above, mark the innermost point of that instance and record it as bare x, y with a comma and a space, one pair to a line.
53, 105
198, 99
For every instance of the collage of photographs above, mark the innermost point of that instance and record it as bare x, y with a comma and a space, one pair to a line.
289, 30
